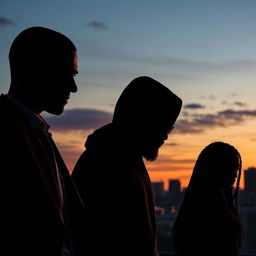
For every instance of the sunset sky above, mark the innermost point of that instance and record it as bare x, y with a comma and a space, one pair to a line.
203, 50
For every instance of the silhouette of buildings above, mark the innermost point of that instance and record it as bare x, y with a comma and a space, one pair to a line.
174, 187
158, 189
247, 209
250, 181
167, 204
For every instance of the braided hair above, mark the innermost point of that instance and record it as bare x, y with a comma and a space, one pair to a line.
214, 174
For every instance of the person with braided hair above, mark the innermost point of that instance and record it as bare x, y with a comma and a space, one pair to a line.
208, 222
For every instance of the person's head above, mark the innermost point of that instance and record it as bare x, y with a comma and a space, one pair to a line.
218, 166
145, 114
43, 64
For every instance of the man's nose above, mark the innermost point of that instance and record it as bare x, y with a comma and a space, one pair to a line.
165, 136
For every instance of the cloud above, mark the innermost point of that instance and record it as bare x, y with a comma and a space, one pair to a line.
212, 97
69, 147
194, 106
97, 25
84, 119
185, 126
233, 94
236, 103
171, 168
237, 115
79, 119
239, 104
198, 123
70, 152
171, 144
209, 97
6, 22
175, 161
164, 163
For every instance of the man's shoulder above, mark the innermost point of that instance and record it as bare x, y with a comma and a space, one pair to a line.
5, 104
3, 99
10, 115
6, 108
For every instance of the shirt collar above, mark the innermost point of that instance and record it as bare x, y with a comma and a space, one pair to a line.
36, 121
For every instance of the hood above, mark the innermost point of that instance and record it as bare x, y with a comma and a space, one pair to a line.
101, 138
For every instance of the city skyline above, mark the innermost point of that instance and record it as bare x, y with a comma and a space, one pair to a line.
168, 203
204, 51
248, 180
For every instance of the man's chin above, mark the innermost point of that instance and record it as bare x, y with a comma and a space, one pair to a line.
55, 110
150, 155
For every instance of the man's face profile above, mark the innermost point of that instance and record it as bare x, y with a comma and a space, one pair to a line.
154, 137
58, 84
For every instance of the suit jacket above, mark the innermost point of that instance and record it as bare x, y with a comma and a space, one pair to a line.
116, 189
32, 223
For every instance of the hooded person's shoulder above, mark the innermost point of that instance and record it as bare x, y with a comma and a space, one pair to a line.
101, 140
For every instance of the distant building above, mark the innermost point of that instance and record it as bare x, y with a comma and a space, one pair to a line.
251, 230
250, 181
158, 188
248, 218
174, 187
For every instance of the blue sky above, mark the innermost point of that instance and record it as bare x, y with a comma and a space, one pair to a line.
181, 43
205, 51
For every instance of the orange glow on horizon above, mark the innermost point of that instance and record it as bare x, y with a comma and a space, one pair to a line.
177, 158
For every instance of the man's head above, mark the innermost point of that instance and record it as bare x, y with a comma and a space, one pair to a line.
145, 114
43, 64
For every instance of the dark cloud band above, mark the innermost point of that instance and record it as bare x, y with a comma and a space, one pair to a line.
194, 106
6, 22
79, 119
90, 119
198, 123
97, 25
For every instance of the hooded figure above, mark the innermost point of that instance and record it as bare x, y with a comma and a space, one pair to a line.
112, 178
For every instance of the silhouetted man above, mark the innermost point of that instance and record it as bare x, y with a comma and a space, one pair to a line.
42, 210
111, 176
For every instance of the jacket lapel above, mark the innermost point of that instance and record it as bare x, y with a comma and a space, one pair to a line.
27, 137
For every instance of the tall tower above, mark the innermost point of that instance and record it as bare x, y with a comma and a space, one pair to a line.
158, 188
250, 181
174, 187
